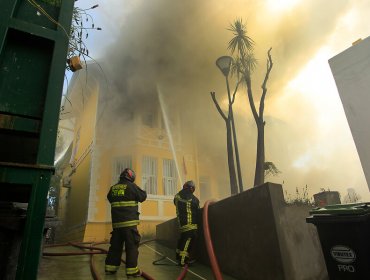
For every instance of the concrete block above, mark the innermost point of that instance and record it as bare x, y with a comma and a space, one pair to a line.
257, 236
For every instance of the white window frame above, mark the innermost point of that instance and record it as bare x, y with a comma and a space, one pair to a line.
149, 175
119, 164
169, 177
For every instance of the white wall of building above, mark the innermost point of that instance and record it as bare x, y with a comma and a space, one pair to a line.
351, 71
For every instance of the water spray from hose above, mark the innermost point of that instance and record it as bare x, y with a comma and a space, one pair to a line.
168, 130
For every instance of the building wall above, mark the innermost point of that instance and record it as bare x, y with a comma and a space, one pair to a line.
120, 134
97, 232
76, 202
351, 71
156, 209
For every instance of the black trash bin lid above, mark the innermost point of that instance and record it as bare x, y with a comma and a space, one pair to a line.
361, 208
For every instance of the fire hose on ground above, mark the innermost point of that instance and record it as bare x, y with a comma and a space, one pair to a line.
184, 270
96, 250
91, 253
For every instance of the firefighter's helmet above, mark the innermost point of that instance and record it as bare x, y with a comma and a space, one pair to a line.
128, 174
189, 185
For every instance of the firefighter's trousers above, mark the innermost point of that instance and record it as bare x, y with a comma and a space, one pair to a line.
185, 246
130, 237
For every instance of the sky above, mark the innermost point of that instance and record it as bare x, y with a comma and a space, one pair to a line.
175, 44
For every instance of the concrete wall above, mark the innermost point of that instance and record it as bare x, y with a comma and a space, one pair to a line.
168, 233
300, 245
257, 236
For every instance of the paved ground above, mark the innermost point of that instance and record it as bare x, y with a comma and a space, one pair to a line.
78, 267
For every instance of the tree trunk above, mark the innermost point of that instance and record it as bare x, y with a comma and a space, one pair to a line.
229, 146
259, 177
230, 159
238, 168
240, 180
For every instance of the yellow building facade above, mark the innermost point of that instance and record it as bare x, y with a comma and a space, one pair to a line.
110, 134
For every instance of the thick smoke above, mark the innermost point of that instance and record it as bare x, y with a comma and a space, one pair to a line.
173, 45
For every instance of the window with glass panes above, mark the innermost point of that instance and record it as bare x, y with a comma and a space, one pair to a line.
149, 175
119, 164
169, 177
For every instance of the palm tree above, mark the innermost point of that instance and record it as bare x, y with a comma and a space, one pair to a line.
245, 64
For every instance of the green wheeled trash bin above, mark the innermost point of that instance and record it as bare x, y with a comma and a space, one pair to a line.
344, 232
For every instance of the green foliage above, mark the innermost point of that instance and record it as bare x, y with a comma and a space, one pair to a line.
299, 198
245, 61
241, 41
271, 169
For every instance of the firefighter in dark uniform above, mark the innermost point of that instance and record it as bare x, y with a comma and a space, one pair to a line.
124, 198
187, 206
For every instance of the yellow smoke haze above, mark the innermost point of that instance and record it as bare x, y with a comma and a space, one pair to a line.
175, 44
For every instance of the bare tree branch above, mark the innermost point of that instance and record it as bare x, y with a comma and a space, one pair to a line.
269, 65
250, 97
236, 89
213, 94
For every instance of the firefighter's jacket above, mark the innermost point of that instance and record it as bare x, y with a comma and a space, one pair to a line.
187, 206
124, 198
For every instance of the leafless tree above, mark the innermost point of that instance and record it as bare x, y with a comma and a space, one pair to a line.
351, 196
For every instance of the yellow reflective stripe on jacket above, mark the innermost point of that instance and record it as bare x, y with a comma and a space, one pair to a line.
188, 211
181, 199
126, 224
124, 203
188, 227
